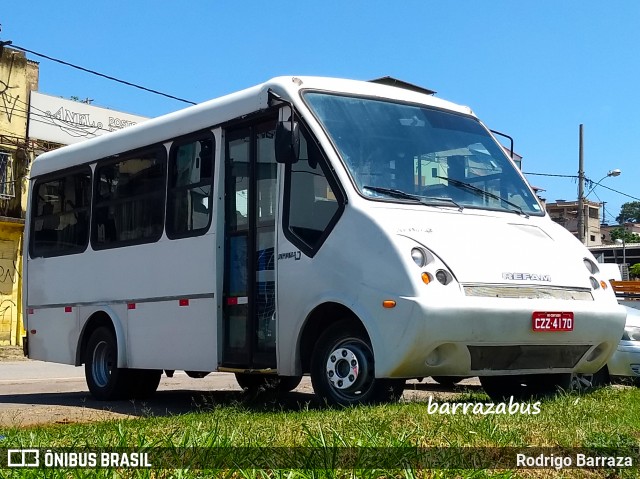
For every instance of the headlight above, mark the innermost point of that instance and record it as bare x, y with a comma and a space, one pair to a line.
591, 266
631, 333
419, 257
444, 277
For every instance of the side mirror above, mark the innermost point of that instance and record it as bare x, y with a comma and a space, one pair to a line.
287, 142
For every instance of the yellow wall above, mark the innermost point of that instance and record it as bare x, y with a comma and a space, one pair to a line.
11, 329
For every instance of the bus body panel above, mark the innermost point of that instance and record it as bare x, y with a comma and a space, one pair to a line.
122, 274
178, 334
52, 333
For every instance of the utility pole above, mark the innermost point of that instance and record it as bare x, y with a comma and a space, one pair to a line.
581, 187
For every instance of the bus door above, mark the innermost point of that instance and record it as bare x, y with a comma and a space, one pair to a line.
249, 309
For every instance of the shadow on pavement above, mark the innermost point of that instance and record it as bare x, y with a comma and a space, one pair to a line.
167, 403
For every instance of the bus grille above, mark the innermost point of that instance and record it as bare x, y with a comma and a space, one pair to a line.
509, 358
527, 292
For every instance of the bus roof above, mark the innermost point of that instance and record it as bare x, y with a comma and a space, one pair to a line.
217, 111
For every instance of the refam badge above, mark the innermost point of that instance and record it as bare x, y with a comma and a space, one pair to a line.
526, 277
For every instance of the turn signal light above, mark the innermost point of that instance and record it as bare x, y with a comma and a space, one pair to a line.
426, 278
388, 303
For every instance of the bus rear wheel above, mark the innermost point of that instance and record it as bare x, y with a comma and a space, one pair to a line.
343, 369
256, 383
105, 380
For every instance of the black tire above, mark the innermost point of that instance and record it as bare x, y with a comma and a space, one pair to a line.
143, 383
499, 388
525, 386
546, 385
343, 369
394, 389
105, 380
257, 383
448, 381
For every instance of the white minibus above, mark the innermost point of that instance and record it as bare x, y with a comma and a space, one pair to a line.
357, 232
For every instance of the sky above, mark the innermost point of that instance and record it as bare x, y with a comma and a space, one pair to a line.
534, 69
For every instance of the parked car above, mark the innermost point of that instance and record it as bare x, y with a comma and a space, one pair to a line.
624, 365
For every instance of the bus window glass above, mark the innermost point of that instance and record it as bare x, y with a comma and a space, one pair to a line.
189, 197
127, 201
430, 155
312, 200
61, 215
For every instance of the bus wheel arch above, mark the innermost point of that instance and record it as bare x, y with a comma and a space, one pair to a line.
333, 329
321, 318
98, 319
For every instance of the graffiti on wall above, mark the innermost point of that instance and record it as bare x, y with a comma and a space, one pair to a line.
8, 104
9, 277
8, 100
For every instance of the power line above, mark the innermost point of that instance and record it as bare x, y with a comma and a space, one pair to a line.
549, 174
587, 180
108, 77
620, 192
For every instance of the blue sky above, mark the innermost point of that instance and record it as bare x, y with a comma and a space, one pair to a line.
534, 69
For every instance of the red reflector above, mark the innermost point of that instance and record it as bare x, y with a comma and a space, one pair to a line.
33, 331
552, 321
184, 302
232, 301
68, 309
131, 306
31, 311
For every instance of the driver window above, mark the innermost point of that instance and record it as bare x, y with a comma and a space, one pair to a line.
314, 202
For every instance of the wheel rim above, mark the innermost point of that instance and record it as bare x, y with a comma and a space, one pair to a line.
581, 382
349, 368
102, 364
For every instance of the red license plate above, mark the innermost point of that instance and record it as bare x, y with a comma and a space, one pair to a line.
552, 321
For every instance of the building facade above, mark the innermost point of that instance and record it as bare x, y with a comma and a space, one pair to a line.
18, 77
565, 213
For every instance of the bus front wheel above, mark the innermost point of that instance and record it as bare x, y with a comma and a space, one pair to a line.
343, 369
105, 380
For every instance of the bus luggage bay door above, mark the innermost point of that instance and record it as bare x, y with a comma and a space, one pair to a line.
249, 327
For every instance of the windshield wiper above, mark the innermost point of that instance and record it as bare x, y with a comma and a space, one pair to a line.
461, 184
408, 196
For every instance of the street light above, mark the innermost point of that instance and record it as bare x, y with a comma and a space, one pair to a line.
582, 196
623, 270
616, 172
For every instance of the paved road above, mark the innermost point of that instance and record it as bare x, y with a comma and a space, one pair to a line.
35, 392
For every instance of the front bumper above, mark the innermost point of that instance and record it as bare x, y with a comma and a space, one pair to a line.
493, 336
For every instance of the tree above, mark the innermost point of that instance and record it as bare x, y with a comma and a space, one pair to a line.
629, 212
629, 237
635, 270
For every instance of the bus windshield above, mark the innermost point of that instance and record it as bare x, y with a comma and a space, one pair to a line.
405, 152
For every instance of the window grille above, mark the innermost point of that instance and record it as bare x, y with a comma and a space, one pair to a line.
7, 186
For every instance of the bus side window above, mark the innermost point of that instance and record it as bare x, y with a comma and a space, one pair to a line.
190, 187
129, 199
313, 201
61, 215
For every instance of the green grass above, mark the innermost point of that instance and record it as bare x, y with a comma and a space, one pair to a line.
607, 418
